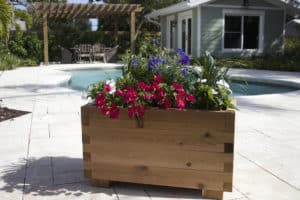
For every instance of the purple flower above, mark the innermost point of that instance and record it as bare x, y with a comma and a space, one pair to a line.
134, 63
156, 41
184, 60
163, 61
154, 62
158, 72
184, 71
180, 52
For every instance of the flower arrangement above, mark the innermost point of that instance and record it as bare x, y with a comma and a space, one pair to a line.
159, 78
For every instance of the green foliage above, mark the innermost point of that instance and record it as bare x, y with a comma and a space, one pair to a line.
290, 61
8, 61
25, 16
5, 19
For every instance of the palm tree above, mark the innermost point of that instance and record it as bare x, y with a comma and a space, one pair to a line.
6, 12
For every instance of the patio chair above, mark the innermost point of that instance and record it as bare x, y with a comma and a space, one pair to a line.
66, 55
111, 54
98, 52
84, 51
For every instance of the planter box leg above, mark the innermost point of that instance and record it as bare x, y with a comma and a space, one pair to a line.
101, 183
218, 195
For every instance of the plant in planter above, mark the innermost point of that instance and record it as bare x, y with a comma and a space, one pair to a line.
182, 134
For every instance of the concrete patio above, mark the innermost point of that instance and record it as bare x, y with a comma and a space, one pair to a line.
41, 152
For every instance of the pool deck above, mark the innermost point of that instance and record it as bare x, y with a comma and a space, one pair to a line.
41, 152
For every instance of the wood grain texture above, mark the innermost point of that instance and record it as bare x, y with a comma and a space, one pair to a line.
180, 148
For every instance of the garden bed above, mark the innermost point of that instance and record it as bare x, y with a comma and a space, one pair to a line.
179, 148
6, 113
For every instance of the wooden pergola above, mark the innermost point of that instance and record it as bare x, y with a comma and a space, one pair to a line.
86, 11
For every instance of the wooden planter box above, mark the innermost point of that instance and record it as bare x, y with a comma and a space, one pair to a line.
188, 149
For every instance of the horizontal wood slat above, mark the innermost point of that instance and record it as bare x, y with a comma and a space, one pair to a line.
160, 176
157, 157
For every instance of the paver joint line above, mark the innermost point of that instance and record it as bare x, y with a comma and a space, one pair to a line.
269, 172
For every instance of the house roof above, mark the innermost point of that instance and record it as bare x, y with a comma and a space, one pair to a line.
292, 8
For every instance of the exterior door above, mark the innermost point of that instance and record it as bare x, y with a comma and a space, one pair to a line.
185, 32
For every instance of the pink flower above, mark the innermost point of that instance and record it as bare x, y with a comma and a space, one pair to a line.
166, 103
141, 111
191, 98
177, 86
155, 86
180, 102
147, 96
131, 112
142, 85
130, 95
100, 100
181, 93
158, 79
104, 110
119, 92
107, 88
114, 112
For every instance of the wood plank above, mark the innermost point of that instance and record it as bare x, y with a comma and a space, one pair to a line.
160, 176
189, 136
70, 10
215, 194
122, 153
77, 11
168, 141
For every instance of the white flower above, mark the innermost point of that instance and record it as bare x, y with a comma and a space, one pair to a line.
112, 84
198, 70
215, 92
203, 80
223, 83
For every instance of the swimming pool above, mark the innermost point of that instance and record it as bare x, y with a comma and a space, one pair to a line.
247, 88
83, 78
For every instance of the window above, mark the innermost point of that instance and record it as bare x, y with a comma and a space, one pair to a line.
241, 32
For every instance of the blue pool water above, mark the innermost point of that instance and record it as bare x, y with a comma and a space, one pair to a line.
82, 79
243, 88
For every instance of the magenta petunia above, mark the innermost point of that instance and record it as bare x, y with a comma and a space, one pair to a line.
191, 98
100, 100
114, 112
177, 86
119, 92
180, 102
158, 79
107, 88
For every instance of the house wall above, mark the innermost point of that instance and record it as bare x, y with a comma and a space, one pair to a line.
211, 20
212, 32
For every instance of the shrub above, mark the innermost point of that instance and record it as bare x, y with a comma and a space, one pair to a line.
8, 61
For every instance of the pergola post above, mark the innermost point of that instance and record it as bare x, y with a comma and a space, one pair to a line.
45, 34
132, 32
116, 29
